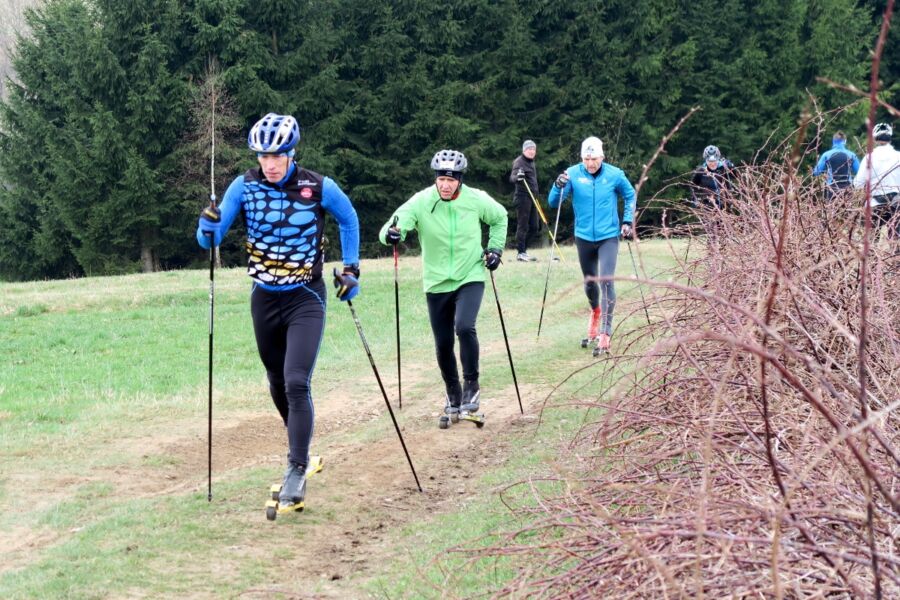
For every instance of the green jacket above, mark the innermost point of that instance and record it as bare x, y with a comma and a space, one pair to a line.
450, 234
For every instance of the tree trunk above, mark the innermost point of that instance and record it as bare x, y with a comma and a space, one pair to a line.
149, 258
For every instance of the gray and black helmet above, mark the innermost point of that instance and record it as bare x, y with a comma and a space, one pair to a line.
711, 153
449, 163
882, 132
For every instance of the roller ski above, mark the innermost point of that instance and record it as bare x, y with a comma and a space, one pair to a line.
602, 346
593, 335
462, 409
288, 496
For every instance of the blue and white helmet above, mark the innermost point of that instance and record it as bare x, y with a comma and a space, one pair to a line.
274, 134
882, 132
711, 153
450, 163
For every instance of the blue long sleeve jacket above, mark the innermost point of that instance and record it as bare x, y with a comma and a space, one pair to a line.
284, 225
595, 200
828, 160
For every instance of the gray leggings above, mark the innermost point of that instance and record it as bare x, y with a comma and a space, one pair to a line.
602, 254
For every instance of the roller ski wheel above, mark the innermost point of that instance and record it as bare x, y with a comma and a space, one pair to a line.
585, 342
602, 346
274, 507
477, 418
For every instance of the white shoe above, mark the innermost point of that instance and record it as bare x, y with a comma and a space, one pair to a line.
525, 257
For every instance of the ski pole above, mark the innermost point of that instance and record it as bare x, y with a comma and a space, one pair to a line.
365, 344
640, 289
506, 339
212, 293
544, 219
397, 320
549, 262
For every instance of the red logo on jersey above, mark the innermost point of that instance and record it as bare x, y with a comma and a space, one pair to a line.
306, 193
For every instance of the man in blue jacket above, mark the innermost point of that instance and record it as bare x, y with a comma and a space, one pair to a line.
596, 188
839, 165
284, 206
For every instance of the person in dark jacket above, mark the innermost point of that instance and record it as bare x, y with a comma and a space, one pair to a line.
711, 178
524, 172
839, 165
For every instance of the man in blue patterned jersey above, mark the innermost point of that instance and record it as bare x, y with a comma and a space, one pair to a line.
284, 206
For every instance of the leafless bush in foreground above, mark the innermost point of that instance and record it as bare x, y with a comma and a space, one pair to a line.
753, 451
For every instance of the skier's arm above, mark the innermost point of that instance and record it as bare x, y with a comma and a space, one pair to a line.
407, 220
859, 181
855, 165
229, 207
820, 166
493, 214
558, 195
336, 202
515, 170
629, 198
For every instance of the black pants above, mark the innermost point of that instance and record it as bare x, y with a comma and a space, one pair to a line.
602, 254
456, 312
526, 222
288, 327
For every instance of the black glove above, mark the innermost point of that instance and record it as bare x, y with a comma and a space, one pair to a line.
347, 283
562, 180
392, 236
211, 214
492, 259
626, 230
520, 176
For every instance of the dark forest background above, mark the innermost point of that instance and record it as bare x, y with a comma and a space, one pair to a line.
105, 125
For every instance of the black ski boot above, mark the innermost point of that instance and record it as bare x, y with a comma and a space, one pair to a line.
451, 406
471, 397
293, 490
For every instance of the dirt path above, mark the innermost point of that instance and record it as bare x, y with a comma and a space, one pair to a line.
366, 485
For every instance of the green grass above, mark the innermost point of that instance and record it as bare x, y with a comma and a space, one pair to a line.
93, 364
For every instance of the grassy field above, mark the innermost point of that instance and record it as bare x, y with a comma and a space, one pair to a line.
103, 489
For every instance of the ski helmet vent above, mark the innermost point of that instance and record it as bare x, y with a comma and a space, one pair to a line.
447, 161
883, 132
274, 134
711, 153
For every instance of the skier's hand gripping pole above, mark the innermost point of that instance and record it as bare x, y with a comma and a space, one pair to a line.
544, 219
397, 317
549, 264
362, 336
506, 339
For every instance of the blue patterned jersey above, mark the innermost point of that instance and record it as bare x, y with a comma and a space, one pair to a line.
285, 225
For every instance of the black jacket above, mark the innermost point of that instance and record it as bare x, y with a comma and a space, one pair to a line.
708, 185
527, 165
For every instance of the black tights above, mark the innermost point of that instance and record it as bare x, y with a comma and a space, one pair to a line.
456, 312
288, 327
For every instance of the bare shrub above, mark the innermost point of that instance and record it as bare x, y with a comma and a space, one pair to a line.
752, 450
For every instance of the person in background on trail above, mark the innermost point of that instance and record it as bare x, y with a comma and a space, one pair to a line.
448, 217
524, 172
881, 170
839, 165
596, 187
711, 178
284, 206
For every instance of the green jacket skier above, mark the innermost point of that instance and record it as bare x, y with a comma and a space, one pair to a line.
448, 217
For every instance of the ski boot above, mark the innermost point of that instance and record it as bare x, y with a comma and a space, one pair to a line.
471, 402
602, 346
451, 407
290, 494
593, 327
